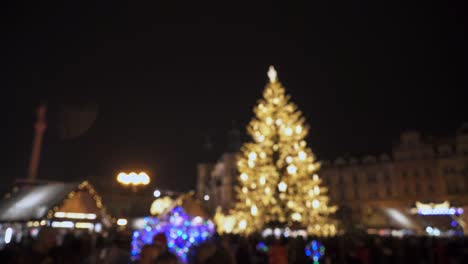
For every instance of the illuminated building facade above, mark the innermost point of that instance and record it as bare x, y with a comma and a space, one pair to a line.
65, 206
418, 169
216, 178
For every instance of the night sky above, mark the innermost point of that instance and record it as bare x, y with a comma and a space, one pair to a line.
165, 77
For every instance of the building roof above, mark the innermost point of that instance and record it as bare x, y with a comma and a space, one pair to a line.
190, 204
33, 202
399, 218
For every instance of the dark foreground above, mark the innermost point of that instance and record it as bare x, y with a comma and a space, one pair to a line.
47, 248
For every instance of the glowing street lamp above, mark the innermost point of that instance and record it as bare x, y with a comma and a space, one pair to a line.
133, 179
157, 193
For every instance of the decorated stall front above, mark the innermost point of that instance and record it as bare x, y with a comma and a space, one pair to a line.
433, 219
65, 206
183, 221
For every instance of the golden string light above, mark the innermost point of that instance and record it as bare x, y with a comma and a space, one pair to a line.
277, 172
244, 176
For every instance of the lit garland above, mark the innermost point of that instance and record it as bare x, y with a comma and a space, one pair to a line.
262, 247
436, 209
182, 232
84, 186
278, 185
315, 250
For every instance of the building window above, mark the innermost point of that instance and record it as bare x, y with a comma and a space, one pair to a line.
449, 170
427, 171
340, 179
357, 194
431, 188
404, 175
386, 177
460, 187
371, 178
418, 188
388, 188
342, 195
218, 182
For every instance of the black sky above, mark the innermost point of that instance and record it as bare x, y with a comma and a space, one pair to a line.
164, 77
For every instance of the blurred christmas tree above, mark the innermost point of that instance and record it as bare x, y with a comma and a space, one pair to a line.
278, 185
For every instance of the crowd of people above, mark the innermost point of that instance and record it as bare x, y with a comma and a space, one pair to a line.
50, 248
347, 249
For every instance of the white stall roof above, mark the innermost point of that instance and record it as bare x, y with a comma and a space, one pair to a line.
33, 203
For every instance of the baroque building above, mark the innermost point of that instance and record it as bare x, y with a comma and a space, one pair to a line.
416, 169
216, 179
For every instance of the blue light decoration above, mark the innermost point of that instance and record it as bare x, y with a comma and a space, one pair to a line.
437, 209
453, 223
441, 211
315, 250
262, 247
182, 231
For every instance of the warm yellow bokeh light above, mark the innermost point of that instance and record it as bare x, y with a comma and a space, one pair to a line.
253, 156
262, 180
317, 190
229, 223
253, 210
298, 129
133, 179
122, 222
315, 177
242, 224
277, 182
292, 169
269, 120
315, 203
159, 205
282, 186
302, 155
296, 216
244, 176
272, 74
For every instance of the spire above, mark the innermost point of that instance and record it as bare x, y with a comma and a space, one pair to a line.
207, 151
208, 144
272, 75
39, 128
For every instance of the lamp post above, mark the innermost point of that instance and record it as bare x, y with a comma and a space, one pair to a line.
132, 180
